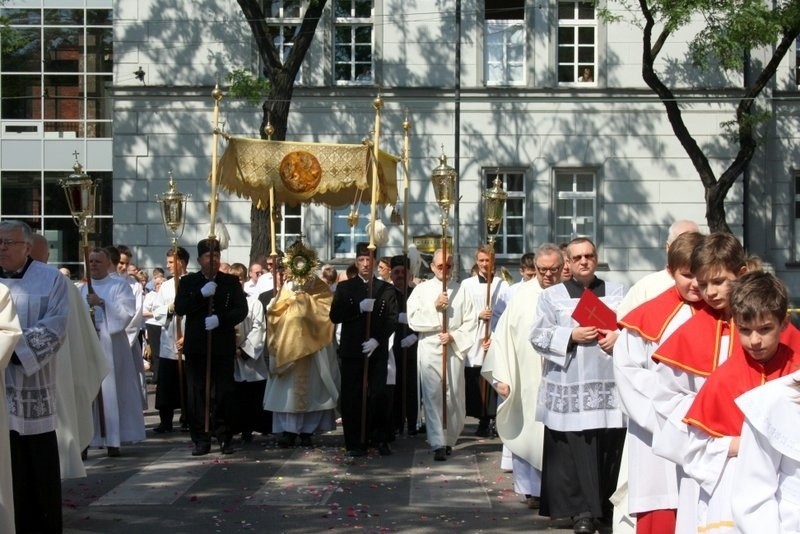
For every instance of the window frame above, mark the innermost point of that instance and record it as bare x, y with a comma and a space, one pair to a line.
354, 23
282, 22
354, 234
504, 237
577, 24
283, 238
573, 197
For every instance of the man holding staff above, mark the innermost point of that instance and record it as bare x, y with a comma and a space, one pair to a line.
214, 302
425, 308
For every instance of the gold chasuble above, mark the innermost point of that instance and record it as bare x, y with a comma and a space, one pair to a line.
298, 324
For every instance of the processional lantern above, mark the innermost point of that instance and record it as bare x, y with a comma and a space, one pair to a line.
444, 185
173, 210
494, 203
81, 192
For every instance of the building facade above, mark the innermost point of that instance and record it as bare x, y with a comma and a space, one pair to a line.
544, 95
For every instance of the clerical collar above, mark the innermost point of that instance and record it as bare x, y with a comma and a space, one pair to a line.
16, 274
481, 279
575, 288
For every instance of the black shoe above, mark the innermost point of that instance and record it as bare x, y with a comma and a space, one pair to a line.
113, 452
483, 431
412, 432
226, 447
287, 440
532, 502
247, 437
355, 453
201, 449
448, 450
85, 454
305, 440
421, 429
184, 427
161, 429
384, 450
584, 525
440, 454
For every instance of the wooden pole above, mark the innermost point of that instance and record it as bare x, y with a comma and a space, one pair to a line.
444, 323
101, 409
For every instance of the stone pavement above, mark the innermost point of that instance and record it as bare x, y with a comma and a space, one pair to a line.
157, 487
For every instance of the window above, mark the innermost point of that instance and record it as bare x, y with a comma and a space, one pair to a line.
796, 251
577, 42
510, 237
288, 230
55, 71
504, 44
284, 18
575, 205
352, 42
345, 235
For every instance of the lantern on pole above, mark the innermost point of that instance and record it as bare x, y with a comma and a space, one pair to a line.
173, 210
444, 179
494, 203
81, 192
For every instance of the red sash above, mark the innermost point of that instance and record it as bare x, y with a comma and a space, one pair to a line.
695, 345
714, 409
651, 318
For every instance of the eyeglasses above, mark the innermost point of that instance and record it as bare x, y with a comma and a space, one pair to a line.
10, 242
579, 257
551, 270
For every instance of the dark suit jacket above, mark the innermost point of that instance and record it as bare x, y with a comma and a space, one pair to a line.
345, 310
230, 306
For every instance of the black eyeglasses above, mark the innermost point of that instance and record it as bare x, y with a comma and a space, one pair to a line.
579, 257
551, 270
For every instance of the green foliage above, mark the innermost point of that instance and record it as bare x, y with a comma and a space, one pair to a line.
243, 84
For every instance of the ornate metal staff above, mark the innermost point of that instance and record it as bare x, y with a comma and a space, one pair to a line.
403, 393
173, 211
81, 193
444, 186
377, 103
494, 203
216, 94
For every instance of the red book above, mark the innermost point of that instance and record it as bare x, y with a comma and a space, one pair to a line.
591, 311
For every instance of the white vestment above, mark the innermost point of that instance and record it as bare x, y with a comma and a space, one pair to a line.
652, 480
132, 330
250, 335
768, 470
648, 287
477, 293
577, 391
426, 321
10, 333
163, 317
512, 360
81, 369
122, 403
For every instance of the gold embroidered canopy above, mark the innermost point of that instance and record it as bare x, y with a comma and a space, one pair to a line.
330, 174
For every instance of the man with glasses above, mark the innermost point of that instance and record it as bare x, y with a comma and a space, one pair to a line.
41, 298
514, 368
425, 307
584, 426
256, 271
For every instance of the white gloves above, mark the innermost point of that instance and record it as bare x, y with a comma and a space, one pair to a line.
369, 346
402, 318
366, 305
212, 321
407, 341
209, 289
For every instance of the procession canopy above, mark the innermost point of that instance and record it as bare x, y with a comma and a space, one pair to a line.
330, 174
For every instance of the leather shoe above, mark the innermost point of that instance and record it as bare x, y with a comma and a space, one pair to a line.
287, 440
532, 502
226, 447
162, 429
440, 455
482, 432
383, 449
355, 453
305, 440
113, 452
201, 449
583, 525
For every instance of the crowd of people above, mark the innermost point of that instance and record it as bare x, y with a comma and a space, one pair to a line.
649, 422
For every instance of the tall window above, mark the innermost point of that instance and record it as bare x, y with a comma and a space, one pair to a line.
510, 238
284, 18
345, 236
352, 42
55, 72
577, 42
504, 44
290, 227
575, 205
796, 213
